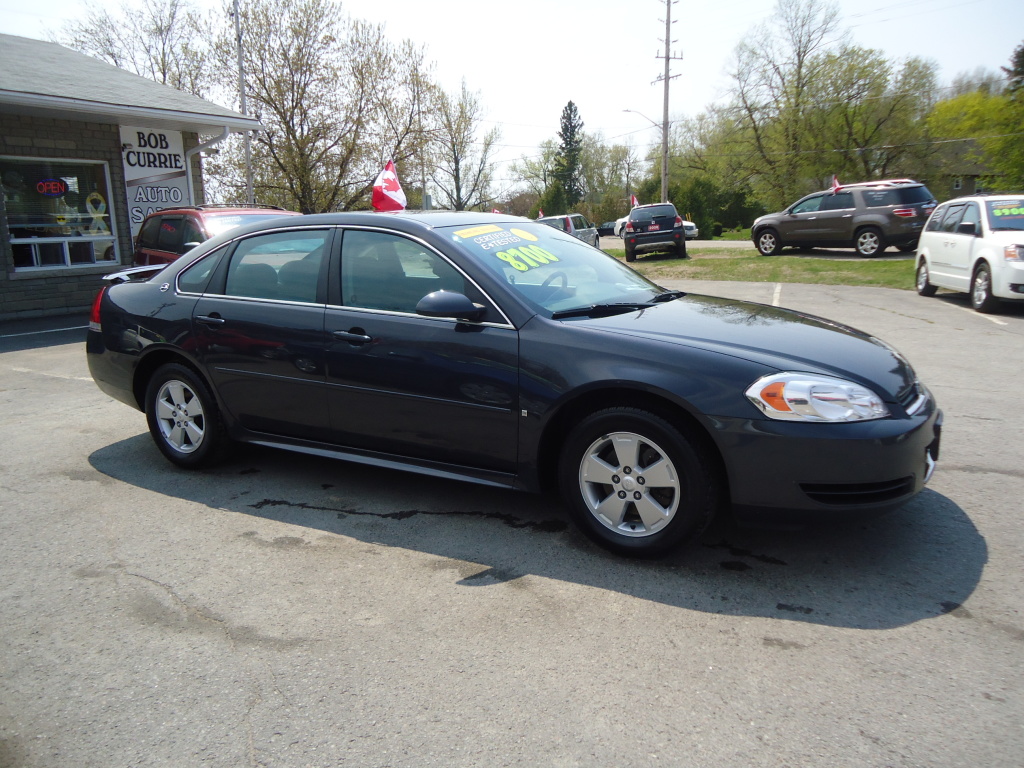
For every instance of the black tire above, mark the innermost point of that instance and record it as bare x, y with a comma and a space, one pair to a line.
924, 287
660, 489
630, 254
981, 290
869, 242
681, 249
183, 418
768, 243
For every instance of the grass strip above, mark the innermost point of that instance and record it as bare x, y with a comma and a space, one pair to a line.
743, 266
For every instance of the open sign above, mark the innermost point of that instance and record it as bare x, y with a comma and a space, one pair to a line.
52, 187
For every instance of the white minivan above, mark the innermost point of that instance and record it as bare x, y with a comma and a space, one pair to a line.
975, 245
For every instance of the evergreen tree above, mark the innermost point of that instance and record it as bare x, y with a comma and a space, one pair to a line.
568, 166
1015, 72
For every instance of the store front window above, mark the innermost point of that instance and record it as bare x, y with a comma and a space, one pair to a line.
59, 213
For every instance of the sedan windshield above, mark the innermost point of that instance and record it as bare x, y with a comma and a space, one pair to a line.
553, 271
1006, 213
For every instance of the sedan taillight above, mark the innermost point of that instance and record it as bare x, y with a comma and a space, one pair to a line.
905, 213
94, 313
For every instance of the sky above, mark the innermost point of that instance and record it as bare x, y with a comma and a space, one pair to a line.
528, 58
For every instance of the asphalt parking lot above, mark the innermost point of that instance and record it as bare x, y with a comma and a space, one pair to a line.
289, 611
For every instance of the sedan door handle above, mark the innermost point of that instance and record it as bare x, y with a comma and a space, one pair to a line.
210, 319
352, 338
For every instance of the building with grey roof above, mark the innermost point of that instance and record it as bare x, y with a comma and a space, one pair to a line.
86, 151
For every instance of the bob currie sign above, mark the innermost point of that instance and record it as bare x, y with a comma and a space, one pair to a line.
154, 172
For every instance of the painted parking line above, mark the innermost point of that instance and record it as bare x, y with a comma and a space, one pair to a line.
51, 375
777, 295
52, 330
991, 319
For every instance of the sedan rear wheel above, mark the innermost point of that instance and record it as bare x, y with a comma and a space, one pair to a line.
635, 484
183, 418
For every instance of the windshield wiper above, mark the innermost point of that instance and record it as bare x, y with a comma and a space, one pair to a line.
601, 309
668, 296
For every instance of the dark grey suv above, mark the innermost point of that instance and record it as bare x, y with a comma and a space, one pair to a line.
654, 227
869, 217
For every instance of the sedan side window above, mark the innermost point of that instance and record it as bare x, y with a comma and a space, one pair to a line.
383, 271
809, 205
283, 266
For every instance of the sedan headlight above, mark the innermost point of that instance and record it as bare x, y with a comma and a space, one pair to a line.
813, 397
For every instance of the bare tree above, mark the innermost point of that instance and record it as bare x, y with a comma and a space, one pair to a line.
161, 39
336, 97
463, 164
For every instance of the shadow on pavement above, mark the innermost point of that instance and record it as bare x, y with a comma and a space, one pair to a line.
917, 563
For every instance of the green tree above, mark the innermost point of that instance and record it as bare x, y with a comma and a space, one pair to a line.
568, 162
1015, 72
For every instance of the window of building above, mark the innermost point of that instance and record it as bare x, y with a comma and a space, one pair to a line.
958, 183
59, 212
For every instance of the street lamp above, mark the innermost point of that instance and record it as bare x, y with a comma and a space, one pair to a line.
664, 150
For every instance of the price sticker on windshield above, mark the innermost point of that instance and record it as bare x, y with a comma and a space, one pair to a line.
526, 257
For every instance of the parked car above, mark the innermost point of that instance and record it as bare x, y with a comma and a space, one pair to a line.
620, 226
607, 229
974, 244
574, 224
690, 230
869, 216
653, 228
167, 234
498, 350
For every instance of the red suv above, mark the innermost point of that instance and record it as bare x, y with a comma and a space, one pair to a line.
167, 234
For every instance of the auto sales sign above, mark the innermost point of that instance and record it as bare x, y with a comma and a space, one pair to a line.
154, 172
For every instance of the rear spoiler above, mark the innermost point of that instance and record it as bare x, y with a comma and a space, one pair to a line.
134, 273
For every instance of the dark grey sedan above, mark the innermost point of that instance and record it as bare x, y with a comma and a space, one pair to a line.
498, 350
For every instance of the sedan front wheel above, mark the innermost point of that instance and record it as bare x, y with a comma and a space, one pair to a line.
635, 484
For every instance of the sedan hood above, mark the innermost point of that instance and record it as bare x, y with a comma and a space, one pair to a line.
779, 338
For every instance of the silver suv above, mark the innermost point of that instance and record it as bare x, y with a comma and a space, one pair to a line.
575, 224
869, 217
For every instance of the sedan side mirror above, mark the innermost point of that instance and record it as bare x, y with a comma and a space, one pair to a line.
449, 304
967, 228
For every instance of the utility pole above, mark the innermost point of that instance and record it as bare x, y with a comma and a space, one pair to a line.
666, 77
241, 92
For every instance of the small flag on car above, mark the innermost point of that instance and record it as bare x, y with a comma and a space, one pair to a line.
633, 202
387, 192
835, 184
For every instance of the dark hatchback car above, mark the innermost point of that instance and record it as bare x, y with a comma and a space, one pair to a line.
167, 234
654, 228
868, 217
498, 350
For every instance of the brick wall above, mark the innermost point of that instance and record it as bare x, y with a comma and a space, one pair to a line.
62, 291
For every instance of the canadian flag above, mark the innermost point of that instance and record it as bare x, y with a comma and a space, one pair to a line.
633, 202
540, 213
387, 192
495, 210
835, 184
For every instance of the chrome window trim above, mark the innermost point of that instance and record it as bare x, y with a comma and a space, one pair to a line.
393, 313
